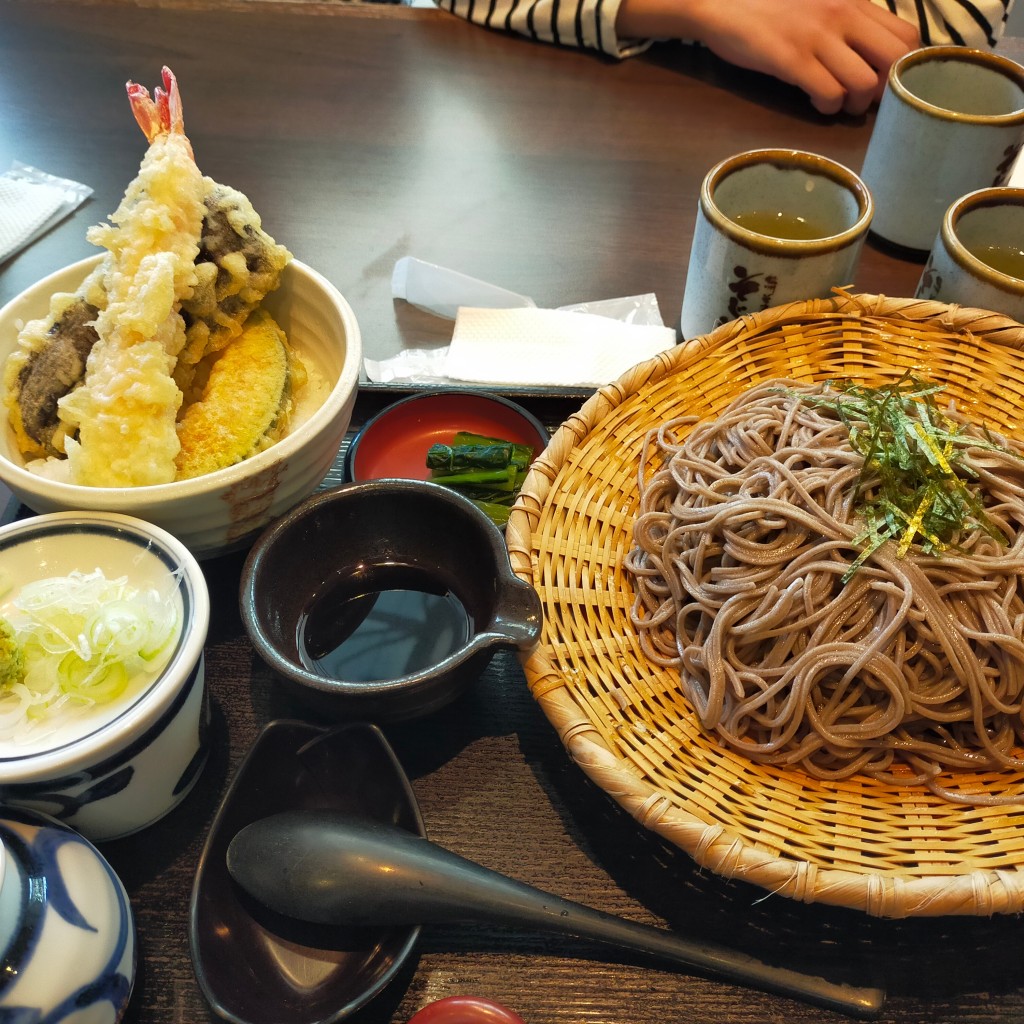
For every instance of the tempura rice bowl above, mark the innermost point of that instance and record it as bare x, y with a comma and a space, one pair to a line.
224, 510
126, 763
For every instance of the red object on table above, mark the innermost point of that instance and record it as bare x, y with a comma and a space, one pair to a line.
465, 1010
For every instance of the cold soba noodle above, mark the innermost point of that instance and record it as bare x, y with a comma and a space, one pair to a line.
908, 665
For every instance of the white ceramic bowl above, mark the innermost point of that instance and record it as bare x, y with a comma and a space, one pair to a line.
67, 936
130, 763
225, 510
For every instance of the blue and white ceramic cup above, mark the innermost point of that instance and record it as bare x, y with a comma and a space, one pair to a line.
773, 226
978, 256
67, 935
951, 121
116, 768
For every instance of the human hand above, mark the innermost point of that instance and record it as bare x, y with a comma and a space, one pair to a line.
838, 51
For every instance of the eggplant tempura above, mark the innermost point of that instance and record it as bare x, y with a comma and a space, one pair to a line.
105, 379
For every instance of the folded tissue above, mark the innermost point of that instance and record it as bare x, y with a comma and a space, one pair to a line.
501, 337
548, 347
31, 202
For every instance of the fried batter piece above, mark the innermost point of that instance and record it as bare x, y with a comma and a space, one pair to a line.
49, 361
246, 401
239, 264
187, 262
128, 394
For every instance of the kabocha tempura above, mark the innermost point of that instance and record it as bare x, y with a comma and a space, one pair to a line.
101, 387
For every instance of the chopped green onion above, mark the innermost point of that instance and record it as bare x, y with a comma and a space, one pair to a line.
913, 484
78, 641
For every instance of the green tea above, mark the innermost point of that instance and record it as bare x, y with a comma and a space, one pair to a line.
779, 224
1007, 259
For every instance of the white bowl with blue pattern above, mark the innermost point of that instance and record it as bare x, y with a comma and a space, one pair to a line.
67, 935
133, 764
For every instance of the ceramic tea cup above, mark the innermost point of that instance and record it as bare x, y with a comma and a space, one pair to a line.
978, 256
773, 226
951, 121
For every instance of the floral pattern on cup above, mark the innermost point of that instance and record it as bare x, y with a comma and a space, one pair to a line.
744, 286
930, 285
1006, 165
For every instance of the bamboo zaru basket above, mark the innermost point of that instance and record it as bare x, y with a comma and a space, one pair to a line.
858, 843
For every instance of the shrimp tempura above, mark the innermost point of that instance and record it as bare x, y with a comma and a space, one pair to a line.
125, 409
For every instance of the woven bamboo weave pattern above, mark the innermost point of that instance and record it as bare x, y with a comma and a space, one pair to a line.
857, 843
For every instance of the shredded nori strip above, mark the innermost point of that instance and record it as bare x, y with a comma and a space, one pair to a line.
913, 487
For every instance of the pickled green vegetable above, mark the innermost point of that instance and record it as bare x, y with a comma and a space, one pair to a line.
488, 470
459, 458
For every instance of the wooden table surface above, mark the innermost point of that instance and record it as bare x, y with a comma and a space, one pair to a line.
362, 134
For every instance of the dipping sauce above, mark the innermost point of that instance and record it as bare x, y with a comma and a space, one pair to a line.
393, 622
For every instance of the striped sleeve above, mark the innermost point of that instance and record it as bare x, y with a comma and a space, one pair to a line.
590, 24
977, 23
586, 24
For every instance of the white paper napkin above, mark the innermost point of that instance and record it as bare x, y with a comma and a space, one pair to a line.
30, 202
442, 291
548, 347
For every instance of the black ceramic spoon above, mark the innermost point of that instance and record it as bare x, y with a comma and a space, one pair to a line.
333, 869
257, 967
